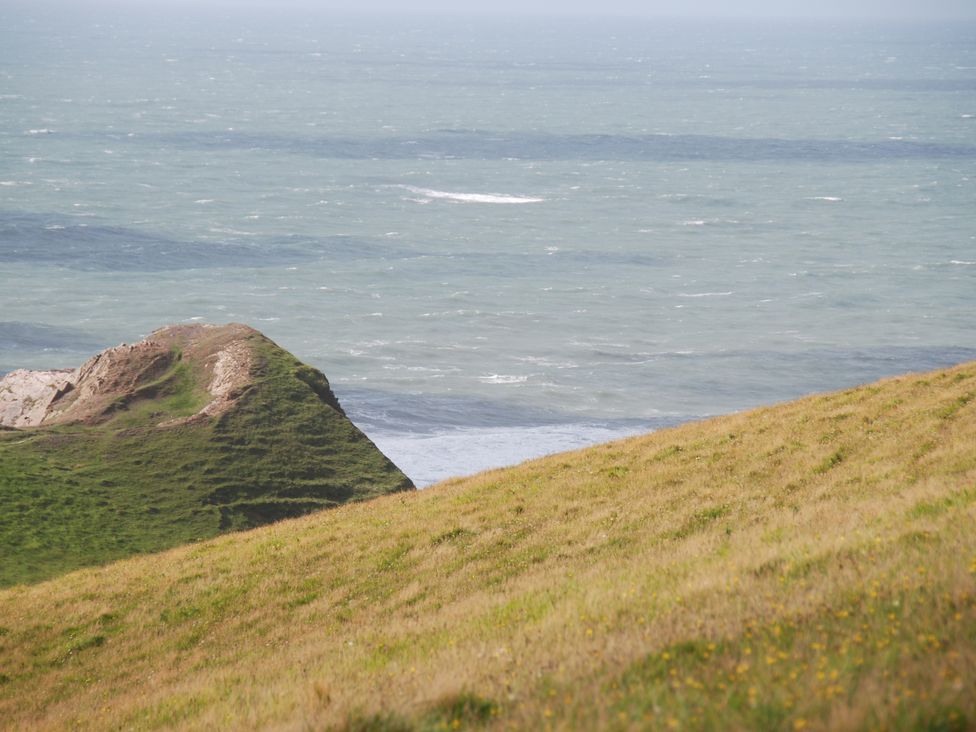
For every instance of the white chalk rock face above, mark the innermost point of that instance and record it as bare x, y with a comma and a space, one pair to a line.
25, 396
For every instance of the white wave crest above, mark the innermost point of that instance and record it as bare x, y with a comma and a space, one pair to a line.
503, 379
471, 197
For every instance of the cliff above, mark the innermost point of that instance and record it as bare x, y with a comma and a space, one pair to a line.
194, 431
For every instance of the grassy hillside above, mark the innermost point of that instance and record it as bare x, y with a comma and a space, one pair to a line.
86, 493
805, 566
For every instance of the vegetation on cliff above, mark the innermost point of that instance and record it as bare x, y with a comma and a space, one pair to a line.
806, 566
146, 457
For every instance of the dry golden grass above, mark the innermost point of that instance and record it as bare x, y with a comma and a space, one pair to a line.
805, 566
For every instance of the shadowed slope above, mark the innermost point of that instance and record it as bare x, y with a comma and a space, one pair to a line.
806, 566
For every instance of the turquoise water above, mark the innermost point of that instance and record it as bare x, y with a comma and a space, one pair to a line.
497, 239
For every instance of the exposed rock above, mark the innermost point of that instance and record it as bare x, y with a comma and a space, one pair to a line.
25, 396
116, 375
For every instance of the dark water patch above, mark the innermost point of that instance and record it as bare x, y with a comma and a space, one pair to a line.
685, 386
16, 336
63, 241
724, 381
588, 257
566, 76
873, 362
517, 265
382, 411
486, 145
906, 85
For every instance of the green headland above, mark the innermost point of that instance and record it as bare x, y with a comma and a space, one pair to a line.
194, 432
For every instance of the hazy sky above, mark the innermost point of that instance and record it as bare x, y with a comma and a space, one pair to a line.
884, 9
696, 8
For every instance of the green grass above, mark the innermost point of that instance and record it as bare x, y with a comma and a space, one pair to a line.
722, 575
76, 495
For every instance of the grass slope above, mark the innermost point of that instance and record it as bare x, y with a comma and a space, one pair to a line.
81, 494
806, 566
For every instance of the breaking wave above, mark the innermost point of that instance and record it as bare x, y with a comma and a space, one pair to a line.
471, 197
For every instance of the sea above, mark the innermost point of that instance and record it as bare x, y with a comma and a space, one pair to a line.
498, 237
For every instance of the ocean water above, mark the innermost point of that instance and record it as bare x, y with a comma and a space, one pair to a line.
498, 239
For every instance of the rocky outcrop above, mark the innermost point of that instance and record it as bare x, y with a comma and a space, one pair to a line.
26, 396
117, 375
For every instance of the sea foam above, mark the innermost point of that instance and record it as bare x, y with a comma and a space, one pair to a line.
472, 197
503, 379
